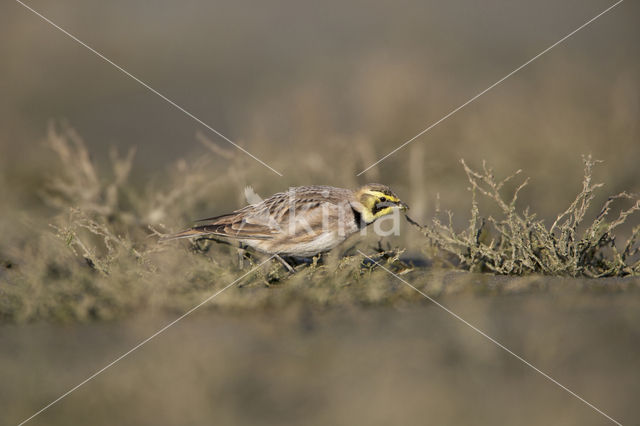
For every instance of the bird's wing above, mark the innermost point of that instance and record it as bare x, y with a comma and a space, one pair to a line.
279, 216
311, 219
243, 224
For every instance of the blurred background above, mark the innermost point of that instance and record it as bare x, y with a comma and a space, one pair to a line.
319, 91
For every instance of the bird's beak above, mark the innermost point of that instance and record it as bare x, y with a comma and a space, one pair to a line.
399, 204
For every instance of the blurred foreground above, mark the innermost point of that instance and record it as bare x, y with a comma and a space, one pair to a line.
303, 365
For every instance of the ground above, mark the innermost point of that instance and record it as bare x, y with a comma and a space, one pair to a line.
302, 363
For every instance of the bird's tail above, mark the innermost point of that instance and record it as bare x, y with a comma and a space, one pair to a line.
189, 233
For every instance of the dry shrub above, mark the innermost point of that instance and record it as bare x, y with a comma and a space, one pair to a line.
78, 182
518, 243
99, 257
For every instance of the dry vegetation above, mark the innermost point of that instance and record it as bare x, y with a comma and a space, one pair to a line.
520, 243
98, 258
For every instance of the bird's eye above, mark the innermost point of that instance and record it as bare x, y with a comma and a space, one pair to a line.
383, 199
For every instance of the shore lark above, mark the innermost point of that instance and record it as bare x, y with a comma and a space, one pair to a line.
301, 222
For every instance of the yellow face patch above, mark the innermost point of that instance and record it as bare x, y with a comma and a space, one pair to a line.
371, 201
381, 195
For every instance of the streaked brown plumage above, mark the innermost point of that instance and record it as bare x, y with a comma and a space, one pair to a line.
303, 221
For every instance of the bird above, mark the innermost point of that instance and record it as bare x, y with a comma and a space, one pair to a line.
302, 222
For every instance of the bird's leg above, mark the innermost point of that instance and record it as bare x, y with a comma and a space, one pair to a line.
284, 262
241, 255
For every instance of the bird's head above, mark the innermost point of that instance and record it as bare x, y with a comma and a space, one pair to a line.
377, 200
